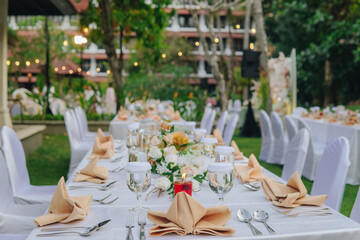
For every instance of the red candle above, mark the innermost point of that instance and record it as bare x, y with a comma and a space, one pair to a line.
183, 184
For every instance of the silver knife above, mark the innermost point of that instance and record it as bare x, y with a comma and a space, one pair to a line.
99, 225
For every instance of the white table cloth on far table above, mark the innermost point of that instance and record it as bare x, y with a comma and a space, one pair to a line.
325, 132
335, 226
118, 128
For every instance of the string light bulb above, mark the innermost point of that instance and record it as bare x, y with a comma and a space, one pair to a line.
163, 55
27, 63
88, 73
108, 71
37, 61
237, 26
65, 43
253, 30
79, 69
63, 68
56, 69
71, 71
251, 46
216, 40
136, 64
86, 30
17, 63
8, 62
98, 69
197, 43
180, 54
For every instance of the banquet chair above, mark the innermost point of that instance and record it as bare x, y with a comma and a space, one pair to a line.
83, 125
280, 139
78, 148
24, 192
205, 117
295, 154
222, 121
332, 171
315, 150
230, 129
298, 111
16, 220
210, 121
355, 212
267, 138
291, 128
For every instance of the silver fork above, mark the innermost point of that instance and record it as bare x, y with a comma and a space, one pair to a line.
129, 226
116, 170
100, 200
107, 203
101, 188
142, 223
86, 233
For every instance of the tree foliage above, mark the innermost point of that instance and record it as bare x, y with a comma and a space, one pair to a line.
321, 31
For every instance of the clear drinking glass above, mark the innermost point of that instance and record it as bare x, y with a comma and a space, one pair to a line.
138, 179
132, 137
199, 134
208, 146
224, 154
221, 179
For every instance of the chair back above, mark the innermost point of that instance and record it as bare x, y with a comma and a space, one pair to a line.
332, 171
205, 117
277, 125
291, 127
210, 121
222, 121
355, 212
230, 129
15, 160
6, 192
237, 105
266, 136
83, 117
295, 154
72, 128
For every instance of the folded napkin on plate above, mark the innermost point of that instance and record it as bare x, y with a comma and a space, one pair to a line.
251, 172
93, 173
217, 135
237, 154
123, 114
291, 195
64, 208
103, 146
187, 216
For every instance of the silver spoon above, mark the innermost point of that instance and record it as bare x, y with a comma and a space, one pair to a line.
251, 186
262, 216
86, 233
244, 216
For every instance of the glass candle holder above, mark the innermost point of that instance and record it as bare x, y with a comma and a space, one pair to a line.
199, 134
183, 183
208, 146
224, 154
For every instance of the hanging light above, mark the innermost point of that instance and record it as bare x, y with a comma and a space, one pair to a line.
37, 61
88, 73
108, 71
79, 69
136, 64
180, 54
237, 26
71, 71
216, 40
253, 30
17, 63
65, 43
27, 63
63, 68
56, 69
98, 69
163, 55
86, 30
251, 46
8, 62
197, 43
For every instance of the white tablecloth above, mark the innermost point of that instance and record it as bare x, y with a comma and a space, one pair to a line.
302, 227
118, 128
325, 132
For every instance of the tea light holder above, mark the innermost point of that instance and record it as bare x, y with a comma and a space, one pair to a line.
224, 154
183, 183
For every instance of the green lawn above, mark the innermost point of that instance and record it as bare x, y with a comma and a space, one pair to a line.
51, 161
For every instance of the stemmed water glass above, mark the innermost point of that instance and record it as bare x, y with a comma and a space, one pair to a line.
138, 179
221, 179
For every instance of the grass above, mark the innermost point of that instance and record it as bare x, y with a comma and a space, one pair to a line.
51, 161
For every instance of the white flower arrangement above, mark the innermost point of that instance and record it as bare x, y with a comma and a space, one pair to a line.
154, 152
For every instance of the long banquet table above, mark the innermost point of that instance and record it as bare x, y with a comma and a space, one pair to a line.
335, 226
325, 133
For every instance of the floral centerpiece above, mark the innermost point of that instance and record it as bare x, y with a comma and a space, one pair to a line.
174, 154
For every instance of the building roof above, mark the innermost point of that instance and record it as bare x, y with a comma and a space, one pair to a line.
46, 7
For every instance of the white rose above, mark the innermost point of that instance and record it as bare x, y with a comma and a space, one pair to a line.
155, 141
195, 185
162, 183
172, 158
169, 150
155, 153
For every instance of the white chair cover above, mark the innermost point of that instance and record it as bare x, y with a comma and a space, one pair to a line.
267, 138
298, 111
222, 121
85, 134
331, 172
291, 128
205, 117
280, 140
355, 212
16, 220
315, 150
24, 192
78, 148
295, 154
230, 129
210, 121
237, 105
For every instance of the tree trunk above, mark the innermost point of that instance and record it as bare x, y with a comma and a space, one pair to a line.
247, 24
109, 39
262, 43
328, 80
47, 65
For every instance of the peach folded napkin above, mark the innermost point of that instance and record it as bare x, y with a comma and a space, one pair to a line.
291, 195
93, 173
103, 146
64, 208
237, 154
123, 114
188, 216
217, 135
251, 172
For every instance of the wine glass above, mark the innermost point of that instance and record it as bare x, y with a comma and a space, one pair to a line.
131, 136
138, 180
221, 179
